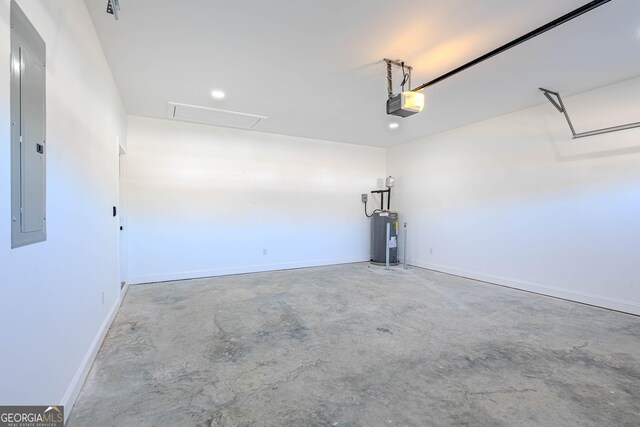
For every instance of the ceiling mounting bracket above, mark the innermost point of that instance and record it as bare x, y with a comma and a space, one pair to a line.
113, 8
556, 100
406, 75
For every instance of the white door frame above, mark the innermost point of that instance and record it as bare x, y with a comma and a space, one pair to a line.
123, 255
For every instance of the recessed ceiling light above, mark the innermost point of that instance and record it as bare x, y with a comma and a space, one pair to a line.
217, 94
393, 125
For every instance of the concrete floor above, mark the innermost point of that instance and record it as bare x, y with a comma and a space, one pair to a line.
360, 346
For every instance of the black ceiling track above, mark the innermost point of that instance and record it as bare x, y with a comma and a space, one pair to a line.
549, 26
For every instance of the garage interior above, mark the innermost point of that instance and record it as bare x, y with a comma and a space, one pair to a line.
321, 213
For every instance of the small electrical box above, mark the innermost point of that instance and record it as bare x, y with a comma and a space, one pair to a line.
365, 197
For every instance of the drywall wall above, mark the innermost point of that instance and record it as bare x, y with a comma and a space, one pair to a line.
205, 201
515, 201
56, 297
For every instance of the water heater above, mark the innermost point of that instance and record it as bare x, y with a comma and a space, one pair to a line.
379, 223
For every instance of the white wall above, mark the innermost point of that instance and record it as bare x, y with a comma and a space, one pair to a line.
206, 201
514, 201
51, 304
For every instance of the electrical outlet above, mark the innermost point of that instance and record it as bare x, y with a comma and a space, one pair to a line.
365, 197
102, 297
264, 252
430, 251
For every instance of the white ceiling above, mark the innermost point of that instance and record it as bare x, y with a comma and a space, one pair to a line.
315, 67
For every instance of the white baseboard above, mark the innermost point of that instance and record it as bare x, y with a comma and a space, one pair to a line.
71, 395
581, 297
196, 274
123, 291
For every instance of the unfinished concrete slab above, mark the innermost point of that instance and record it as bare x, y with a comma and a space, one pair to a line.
355, 345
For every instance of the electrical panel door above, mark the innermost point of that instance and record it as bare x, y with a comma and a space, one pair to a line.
28, 132
33, 143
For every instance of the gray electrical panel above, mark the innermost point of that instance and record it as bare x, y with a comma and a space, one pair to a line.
379, 223
28, 132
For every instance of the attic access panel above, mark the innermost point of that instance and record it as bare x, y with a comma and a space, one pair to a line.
28, 132
213, 116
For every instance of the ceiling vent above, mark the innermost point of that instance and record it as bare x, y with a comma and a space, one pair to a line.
213, 116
